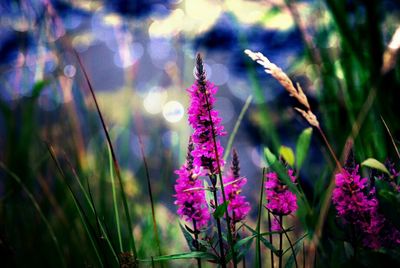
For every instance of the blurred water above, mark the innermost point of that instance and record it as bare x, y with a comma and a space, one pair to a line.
138, 72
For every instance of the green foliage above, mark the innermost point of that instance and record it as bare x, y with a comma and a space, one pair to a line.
287, 154
375, 164
302, 146
221, 210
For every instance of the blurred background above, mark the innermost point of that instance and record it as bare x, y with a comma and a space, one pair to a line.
139, 58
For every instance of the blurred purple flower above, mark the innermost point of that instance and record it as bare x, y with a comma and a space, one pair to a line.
356, 203
202, 98
190, 196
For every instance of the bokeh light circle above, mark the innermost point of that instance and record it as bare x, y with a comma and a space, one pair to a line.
173, 111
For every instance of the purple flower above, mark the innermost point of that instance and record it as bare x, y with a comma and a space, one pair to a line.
356, 204
238, 207
190, 196
205, 122
280, 200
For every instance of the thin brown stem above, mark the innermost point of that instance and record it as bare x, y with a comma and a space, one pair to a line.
330, 148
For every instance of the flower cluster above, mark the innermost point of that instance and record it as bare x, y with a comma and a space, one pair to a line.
190, 196
238, 207
356, 204
280, 200
205, 122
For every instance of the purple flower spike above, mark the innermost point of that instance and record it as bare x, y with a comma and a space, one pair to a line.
190, 196
356, 204
281, 201
202, 118
238, 207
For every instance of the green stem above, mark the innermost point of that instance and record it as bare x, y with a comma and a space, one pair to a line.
221, 241
258, 245
196, 238
270, 238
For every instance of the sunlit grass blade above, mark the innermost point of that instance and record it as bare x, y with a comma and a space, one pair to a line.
115, 162
39, 210
237, 125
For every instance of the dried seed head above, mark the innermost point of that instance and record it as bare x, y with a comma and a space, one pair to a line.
285, 81
309, 116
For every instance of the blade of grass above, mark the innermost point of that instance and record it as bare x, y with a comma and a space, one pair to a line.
182, 256
237, 125
39, 210
258, 227
115, 203
85, 194
86, 225
153, 213
116, 165
80, 208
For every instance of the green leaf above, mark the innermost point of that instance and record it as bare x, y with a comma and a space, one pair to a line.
188, 237
182, 256
244, 241
375, 164
243, 246
291, 260
220, 210
262, 239
302, 146
287, 154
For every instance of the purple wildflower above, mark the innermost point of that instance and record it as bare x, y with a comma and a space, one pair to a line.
356, 203
238, 207
190, 198
280, 200
202, 98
